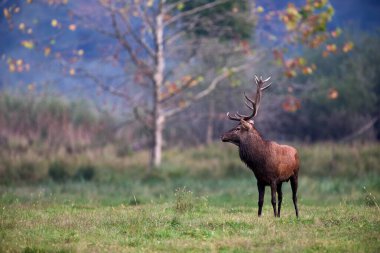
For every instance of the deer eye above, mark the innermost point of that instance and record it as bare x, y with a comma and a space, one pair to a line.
237, 129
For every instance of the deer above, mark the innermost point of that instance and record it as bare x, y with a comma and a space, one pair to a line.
271, 163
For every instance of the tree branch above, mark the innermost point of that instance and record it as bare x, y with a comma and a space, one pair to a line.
209, 89
194, 11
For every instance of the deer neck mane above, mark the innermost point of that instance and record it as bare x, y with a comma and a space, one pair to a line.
254, 150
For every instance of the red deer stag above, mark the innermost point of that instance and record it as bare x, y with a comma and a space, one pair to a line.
271, 162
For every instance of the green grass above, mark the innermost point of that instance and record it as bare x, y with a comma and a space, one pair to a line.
201, 200
207, 215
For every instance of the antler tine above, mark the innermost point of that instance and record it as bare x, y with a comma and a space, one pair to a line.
232, 117
242, 115
266, 87
250, 107
266, 80
250, 100
257, 79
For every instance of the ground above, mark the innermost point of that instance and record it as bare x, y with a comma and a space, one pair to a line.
188, 215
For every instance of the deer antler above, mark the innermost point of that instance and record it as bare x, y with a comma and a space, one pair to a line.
254, 103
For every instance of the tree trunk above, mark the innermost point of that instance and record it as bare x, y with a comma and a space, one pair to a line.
159, 117
210, 120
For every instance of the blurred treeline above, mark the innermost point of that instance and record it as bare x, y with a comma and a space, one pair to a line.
49, 137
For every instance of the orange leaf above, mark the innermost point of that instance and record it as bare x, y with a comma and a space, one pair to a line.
333, 94
72, 27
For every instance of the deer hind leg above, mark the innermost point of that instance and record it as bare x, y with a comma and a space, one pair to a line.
279, 196
294, 185
261, 188
273, 188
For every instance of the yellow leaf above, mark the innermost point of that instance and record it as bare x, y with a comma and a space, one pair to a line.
72, 71
150, 3
54, 23
21, 26
80, 52
260, 9
12, 67
28, 44
19, 62
180, 6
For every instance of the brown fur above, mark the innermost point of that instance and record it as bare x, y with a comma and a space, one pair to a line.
271, 162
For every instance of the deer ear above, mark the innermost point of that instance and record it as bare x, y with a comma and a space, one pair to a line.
246, 125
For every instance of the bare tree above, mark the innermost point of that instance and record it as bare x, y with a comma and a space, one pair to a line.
153, 38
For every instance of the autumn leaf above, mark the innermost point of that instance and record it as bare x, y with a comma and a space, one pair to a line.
331, 48
290, 73
12, 67
27, 44
332, 94
348, 47
80, 52
72, 71
172, 88
21, 26
150, 3
260, 9
47, 51
291, 104
186, 78
307, 70
72, 27
7, 14
336, 32
180, 6
182, 103
54, 23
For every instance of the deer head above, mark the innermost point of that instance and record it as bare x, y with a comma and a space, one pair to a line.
237, 134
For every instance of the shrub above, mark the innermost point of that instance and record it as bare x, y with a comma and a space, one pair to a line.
184, 200
85, 173
58, 172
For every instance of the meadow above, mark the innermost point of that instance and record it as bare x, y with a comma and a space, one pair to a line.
201, 200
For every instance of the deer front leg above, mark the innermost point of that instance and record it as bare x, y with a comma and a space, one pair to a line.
273, 188
279, 196
261, 188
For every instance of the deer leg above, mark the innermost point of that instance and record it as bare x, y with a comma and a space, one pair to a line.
273, 188
294, 185
261, 188
279, 196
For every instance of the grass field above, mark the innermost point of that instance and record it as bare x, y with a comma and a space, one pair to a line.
194, 211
